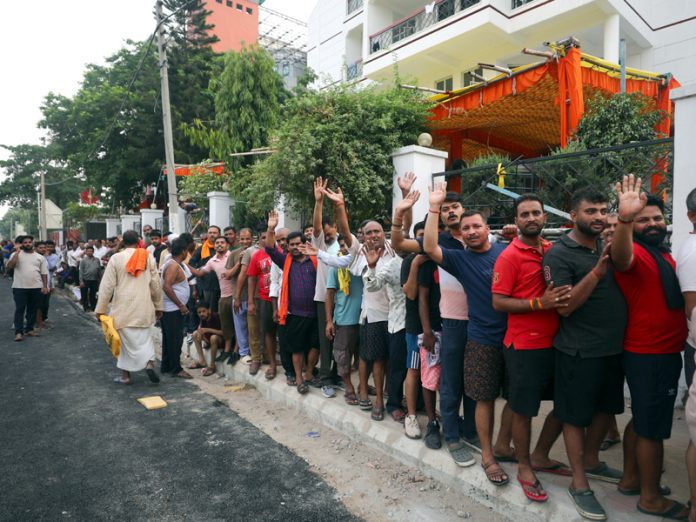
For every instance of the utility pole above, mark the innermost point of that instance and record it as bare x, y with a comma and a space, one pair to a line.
174, 225
43, 224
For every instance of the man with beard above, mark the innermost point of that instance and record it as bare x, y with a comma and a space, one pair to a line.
654, 338
274, 293
519, 290
230, 234
208, 286
297, 310
588, 376
29, 282
239, 313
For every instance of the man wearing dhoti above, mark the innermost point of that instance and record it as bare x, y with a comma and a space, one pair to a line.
132, 280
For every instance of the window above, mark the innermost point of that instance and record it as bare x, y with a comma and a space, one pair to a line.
240, 7
520, 3
229, 3
446, 84
286, 70
469, 79
249, 10
219, 1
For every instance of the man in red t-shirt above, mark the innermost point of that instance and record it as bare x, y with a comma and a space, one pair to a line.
655, 336
519, 289
259, 274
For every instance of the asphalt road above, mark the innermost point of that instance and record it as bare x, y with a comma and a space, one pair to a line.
76, 446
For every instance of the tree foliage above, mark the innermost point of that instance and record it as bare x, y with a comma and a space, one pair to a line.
343, 134
27, 217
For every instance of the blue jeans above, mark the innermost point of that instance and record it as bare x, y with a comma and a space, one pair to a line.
241, 328
454, 337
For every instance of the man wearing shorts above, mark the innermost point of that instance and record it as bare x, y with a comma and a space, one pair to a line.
589, 379
519, 290
483, 358
343, 302
207, 335
259, 274
654, 338
297, 310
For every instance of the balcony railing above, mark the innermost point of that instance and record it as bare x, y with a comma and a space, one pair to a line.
354, 71
353, 5
416, 22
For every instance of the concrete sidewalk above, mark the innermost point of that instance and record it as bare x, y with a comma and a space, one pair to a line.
509, 500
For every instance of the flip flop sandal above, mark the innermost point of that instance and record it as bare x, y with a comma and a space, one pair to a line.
555, 469
196, 366
152, 375
184, 375
671, 513
351, 399
371, 390
608, 443
121, 380
210, 370
365, 404
291, 382
270, 374
504, 479
377, 414
533, 490
398, 415
664, 491
302, 389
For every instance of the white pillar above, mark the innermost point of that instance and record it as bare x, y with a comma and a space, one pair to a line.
112, 226
219, 207
286, 217
611, 38
149, 216
129, 221
424, 162
684, 138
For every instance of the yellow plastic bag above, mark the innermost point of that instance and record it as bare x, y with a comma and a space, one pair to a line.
111, 335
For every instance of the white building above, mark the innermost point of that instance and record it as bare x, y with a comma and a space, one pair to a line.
438, 44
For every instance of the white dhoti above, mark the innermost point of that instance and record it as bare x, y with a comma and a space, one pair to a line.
137, 349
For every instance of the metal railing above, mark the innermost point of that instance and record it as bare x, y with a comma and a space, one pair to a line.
354, 70
555, 178
353, 5
416, 22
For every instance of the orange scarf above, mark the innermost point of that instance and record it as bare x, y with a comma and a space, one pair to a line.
206, 248
283, 307
137, 262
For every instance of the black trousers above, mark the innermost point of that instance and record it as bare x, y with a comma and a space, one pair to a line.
44, 302
172, 324
26, 301
397, 369
89, 295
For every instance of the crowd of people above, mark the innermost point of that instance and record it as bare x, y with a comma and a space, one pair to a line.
442, 307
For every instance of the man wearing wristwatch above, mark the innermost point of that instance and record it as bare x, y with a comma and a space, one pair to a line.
29, 281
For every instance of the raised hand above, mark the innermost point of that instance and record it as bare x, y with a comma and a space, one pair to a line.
555, 297
631, 199
319, 187
308, 249
372, 255
335, 196
437, 195
273, 219
509, 232
406, 182
408, 202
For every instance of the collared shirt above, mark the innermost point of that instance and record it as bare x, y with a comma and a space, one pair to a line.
302, 282
100, 252
217, 264
595, 329
375, 305
90, 269
517, 274
52, 260
72, 257
389, 276
322, 270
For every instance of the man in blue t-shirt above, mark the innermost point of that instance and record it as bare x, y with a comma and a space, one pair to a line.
483, 356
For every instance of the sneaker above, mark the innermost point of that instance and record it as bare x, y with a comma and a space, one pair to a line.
604, 473
460, 455
246, 359
328, 392
432, 435
586, 504
411, 427
189, 339
232, 359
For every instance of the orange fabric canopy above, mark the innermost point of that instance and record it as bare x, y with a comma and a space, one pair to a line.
536, 108
188, 170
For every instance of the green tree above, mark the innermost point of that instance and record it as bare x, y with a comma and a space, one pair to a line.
26, 217
344, 134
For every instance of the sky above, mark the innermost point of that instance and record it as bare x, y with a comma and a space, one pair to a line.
45, 49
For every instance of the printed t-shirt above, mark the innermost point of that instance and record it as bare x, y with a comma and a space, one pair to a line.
346, 307
686, 272
596, 328
517, 274
453, 301
260, 266
474, 270
652, 327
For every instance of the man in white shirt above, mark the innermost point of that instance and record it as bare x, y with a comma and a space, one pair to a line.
29, 282
99, 249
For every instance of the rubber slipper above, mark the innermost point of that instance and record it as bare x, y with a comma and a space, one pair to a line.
365, 404
152, 375
377, 414
398, 415
121, 380
533, 490
555, 469
671, 513
664, 491
210, 370
351, 399
196, 366
270, 374
608, 443
184, 375
290, 381
505, 458
302, 388
503, 480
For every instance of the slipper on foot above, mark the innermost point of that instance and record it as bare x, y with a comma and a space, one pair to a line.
608, 443
491, 475
152, 375
664, 491
121, 380
377, 414
365, 404
671, 513
534, 491
555, 469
